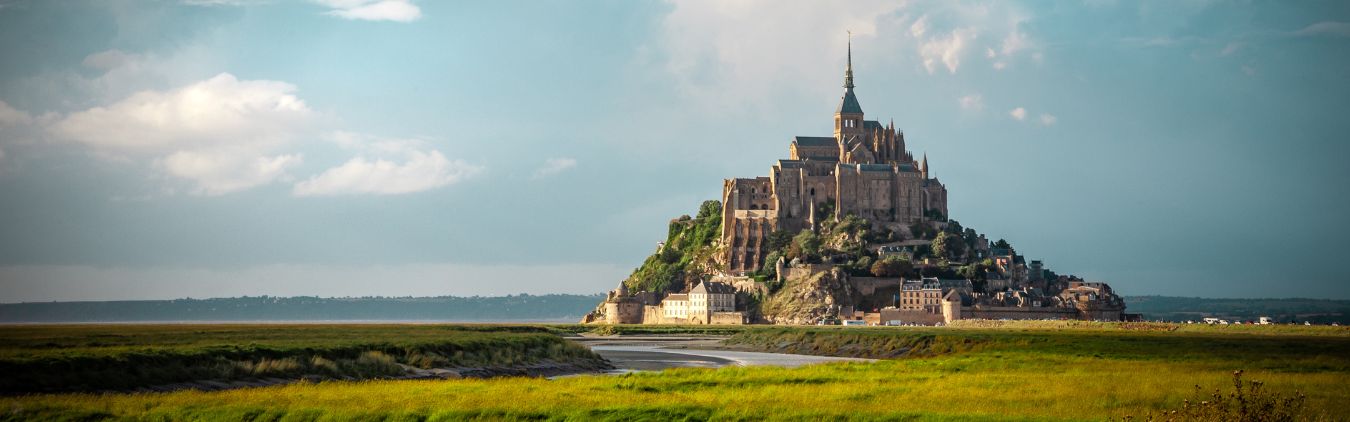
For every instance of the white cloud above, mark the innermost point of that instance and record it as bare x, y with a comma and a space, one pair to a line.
218, 174
414, 167
737, 56
972, 102
211, 3
919, 27
1018, 113
1328, 28
11, 117
1231, 48
1014, 42
216, 112
221, 133
107, 60
1047, 119
734, 57
989, 53
373, 10
554, 166
946, 49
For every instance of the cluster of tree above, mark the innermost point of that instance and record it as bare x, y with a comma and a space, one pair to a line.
689, 241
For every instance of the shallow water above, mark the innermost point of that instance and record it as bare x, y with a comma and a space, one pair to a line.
655, 358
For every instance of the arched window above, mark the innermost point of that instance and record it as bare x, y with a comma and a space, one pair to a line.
813, 191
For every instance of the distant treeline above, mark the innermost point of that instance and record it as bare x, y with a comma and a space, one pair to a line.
1168, 308
542, 308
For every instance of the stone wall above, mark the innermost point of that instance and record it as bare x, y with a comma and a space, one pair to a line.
1014, 312
869, 285
625, 311
910, 317
653, 314
727, 318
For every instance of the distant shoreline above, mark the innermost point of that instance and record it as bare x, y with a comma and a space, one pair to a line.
300, 322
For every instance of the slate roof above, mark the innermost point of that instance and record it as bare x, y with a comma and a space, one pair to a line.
790, 164
677, 296
709, 287
875, 167
871, 124
815, 141
907, 168
850, 103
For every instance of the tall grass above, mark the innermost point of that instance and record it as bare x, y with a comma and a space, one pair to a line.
1005, 374
113, 357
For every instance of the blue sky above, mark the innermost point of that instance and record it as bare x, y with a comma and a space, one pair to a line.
385, 147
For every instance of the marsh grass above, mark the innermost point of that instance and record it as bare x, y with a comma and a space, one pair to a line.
114, 357
965, 374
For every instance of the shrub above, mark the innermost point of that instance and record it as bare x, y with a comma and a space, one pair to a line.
1247, 402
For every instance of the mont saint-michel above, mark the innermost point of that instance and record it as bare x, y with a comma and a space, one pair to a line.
850, 228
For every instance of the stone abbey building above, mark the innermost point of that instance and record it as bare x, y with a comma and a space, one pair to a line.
863, 169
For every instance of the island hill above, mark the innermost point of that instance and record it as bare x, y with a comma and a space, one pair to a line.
851, 227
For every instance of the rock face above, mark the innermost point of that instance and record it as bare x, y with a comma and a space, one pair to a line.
811, 293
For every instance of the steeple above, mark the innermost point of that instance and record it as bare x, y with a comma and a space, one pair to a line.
848, 118
848, 71
923, 167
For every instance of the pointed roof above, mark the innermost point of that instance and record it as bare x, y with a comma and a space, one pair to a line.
849, 104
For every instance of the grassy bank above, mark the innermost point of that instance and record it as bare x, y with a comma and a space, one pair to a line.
1026, 373
117, 357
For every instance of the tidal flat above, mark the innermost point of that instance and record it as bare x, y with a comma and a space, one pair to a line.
993, 371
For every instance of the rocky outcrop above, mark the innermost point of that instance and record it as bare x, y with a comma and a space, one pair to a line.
809, 294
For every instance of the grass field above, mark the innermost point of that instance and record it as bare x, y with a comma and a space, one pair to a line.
1007, 372
100, 357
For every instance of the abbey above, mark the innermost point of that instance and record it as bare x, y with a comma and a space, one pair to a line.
850, 227
864, 169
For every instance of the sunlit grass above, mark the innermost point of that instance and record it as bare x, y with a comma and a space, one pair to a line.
1010, 374
119, 357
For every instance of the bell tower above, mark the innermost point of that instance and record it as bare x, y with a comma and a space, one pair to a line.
848, 118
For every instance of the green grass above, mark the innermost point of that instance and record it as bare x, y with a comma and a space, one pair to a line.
1028, 372
102, 357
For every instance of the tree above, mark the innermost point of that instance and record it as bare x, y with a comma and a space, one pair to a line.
865, 263
805, 245
948, 246
779, 240
709, 209
1002, 244
891, 266
921, 230
771, 264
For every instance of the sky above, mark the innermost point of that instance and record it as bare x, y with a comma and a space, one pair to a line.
212, 148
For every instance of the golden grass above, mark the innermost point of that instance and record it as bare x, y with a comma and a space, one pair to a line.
1037, 375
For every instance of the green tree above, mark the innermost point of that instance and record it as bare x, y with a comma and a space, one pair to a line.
709, 208
771, 264
891, 266
779, 240
921, 230
948, 246
1002, 244
805, 245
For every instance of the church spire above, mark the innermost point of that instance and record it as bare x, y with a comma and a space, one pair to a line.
923, 167
848, 71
